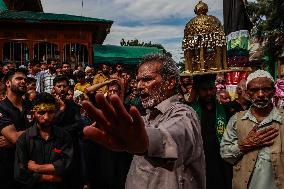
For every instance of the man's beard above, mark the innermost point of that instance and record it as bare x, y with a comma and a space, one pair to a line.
20, 91
261, 104
207, 100
149, 103
45, 125
152, 100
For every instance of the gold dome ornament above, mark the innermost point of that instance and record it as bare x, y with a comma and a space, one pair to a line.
204, 43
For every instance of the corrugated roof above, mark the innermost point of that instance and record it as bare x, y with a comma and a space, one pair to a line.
126, 54
29, 16
3, 6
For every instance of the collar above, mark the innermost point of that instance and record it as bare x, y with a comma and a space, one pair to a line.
9, 104
34, 132
274, 115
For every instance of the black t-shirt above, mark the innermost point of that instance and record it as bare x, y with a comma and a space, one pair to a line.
10, 115
70, 119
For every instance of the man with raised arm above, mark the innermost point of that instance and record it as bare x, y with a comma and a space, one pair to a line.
166, 143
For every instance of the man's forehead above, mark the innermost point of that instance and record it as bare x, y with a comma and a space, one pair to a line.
61, 83
261, 81
150, 67
20, 74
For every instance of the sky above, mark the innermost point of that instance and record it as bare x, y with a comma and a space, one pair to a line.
158, 21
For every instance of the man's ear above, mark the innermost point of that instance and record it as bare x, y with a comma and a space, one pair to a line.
8, 83
171, 82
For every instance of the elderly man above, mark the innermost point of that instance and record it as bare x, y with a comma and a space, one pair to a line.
167, 142
253, 140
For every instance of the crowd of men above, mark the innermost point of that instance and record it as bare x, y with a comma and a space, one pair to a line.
81, 128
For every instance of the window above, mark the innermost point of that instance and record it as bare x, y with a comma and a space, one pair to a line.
76, 54
44, 51
16, 52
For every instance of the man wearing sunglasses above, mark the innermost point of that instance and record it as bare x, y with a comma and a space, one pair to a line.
253, 140
44, 152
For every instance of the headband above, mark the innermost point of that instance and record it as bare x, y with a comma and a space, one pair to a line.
44, 107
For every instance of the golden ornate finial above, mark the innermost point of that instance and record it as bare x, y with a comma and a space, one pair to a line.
201, 8
204, 43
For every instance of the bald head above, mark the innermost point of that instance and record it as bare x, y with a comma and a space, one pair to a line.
241, 87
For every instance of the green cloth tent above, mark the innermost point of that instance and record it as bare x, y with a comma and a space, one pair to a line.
3, 6
112, 54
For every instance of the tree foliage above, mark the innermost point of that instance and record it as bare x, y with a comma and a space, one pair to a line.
136, 42
268, 19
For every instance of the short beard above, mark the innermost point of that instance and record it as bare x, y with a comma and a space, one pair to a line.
44, 126
154, 99
261, 106
150, 103
17, 91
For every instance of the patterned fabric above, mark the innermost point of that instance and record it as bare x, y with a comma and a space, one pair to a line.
259, 74
278, 99
220, 118
45, 81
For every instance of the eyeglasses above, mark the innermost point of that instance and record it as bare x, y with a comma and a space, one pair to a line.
42, 112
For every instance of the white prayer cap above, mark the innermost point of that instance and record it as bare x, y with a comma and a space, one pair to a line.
77, 93
259, 74
88, 68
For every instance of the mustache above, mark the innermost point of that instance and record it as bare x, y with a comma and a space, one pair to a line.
260, 99
143, 92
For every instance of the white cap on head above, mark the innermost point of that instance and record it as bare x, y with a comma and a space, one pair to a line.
77, 93
259, 74
87, 68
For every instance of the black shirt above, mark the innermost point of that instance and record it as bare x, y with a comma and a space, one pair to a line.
10, 115
218, 172
56, 150
70, 120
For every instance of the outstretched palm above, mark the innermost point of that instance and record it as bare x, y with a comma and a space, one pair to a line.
119, 130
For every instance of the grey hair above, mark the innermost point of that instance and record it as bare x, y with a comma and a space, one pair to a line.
168, 66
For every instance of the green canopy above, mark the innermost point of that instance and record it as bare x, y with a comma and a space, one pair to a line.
2, 6
35, 17
124, 54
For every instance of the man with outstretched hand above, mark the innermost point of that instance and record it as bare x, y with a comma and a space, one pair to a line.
167, 142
